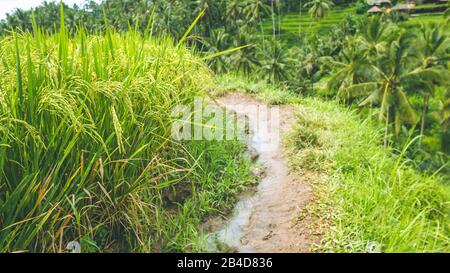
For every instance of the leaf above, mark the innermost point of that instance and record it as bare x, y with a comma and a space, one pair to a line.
191, 27
405, 109
224, 52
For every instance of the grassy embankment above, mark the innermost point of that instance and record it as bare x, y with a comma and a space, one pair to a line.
367, 198
86, 152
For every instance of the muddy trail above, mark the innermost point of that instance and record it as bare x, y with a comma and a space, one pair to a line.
267, 219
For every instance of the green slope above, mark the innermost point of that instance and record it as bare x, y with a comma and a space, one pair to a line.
294, 23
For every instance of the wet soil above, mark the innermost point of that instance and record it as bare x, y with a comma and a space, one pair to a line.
267, 219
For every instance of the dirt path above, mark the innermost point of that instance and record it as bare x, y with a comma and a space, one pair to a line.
267, 221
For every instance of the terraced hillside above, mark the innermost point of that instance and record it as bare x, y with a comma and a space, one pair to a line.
294, 23
301, 22
427, 13
416, 20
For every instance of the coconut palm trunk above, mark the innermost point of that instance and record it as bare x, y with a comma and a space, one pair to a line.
273, 19
262, 32
386, 128
426, 102
279, 17
445, 141
300, 18
371, 111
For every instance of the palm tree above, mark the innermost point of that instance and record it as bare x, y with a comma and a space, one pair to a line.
275, 6
434, 47
212, 15
395, 72
300, 18
233, 11
279, 5
307, 68
255, 10
319, 8
217, 42
273, 18
350, 70
19, 19
376, 35
275, 61
246, 58
444, 117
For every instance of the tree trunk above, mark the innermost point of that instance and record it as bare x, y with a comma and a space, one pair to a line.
273, 19
310, 25
445, 141
426, 101
300, 19
386, 129
262, 32
279, 18
371, 111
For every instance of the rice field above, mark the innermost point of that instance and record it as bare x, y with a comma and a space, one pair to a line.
425, 18
295, 23
86, 153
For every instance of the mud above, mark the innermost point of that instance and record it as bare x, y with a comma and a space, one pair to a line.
267, 220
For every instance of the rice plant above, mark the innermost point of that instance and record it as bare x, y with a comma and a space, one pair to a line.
85, 146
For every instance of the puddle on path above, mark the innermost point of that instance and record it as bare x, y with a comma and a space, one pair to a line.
263, 221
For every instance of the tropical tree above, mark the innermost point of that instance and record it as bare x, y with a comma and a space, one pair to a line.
275, 62
394, 73
234, 10
434, 48
246, 58
350, 70
212, 17
444, 117
255, 10
307, 68
376, 35
19, 19
218, 41
318, 9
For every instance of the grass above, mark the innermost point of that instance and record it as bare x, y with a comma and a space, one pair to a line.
86, 152
268, 93
368, 199
371, 199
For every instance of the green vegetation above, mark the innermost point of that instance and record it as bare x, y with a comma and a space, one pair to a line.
274, 95
432, 18
86, 95
86, 151
429, 8
372, 201
293, 24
